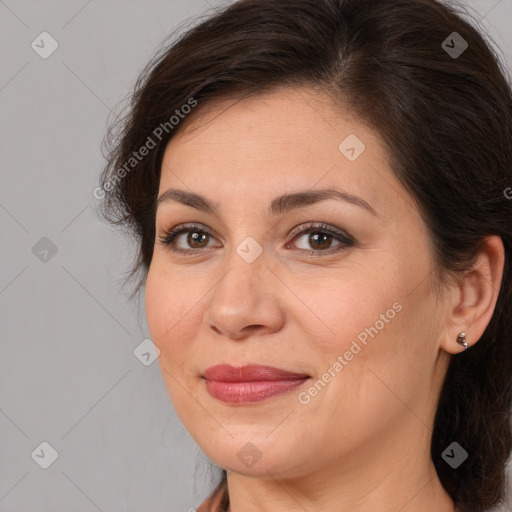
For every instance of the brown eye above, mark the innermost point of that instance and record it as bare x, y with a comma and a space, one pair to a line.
197, 237
320, 239
196, 240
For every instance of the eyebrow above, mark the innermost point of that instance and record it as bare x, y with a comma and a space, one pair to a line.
278, 206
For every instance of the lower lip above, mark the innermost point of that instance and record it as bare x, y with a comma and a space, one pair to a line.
247, 392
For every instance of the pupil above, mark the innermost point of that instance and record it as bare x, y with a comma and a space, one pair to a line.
195, 236
326, 238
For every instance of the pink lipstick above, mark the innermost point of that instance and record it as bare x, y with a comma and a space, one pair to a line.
251, 383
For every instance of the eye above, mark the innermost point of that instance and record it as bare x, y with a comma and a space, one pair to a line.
196, 237
320, 238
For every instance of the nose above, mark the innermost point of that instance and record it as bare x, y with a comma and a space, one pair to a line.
245, 300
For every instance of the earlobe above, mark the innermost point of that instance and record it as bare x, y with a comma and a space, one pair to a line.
476, 297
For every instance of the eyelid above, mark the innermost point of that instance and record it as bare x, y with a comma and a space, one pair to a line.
303, 229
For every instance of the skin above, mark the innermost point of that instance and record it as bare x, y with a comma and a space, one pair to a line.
363, 442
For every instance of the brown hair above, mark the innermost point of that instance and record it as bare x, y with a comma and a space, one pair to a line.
446, 121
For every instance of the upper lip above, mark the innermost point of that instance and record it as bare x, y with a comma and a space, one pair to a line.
249, 373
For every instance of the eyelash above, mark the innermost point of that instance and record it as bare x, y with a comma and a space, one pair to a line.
167, 239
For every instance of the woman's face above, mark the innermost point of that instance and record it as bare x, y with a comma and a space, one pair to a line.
347, 306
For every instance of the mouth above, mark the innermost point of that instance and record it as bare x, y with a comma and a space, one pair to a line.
251, 383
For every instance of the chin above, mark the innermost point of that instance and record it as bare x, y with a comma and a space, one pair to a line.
257, 457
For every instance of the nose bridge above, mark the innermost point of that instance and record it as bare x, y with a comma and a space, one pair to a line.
240, 298
249, 250
245, 266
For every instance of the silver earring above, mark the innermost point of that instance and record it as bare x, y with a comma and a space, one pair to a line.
461, 340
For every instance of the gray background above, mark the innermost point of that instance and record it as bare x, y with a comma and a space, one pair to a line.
68, 374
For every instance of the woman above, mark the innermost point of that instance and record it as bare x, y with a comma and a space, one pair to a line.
321, 194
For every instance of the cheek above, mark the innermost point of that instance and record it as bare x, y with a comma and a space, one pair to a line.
168, 310
172, 321
361, 322
383, 348
355, 307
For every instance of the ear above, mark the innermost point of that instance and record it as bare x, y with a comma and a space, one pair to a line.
474, 297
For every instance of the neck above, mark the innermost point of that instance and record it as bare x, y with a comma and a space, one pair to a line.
278, 495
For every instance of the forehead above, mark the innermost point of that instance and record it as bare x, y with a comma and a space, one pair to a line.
278, 142
286, 120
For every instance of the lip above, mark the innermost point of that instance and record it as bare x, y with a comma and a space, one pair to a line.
249, 373
251, 383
